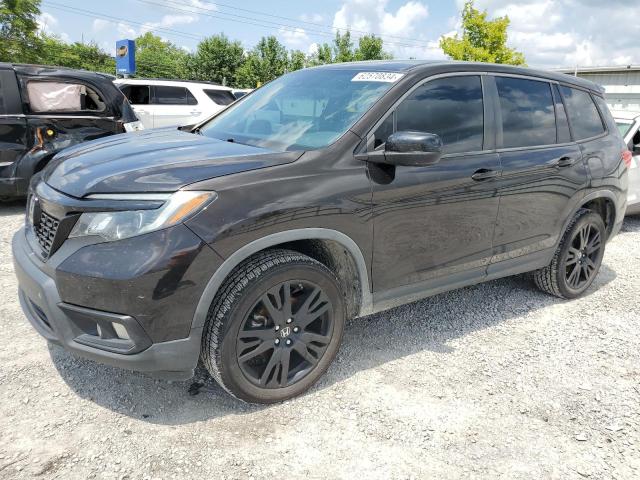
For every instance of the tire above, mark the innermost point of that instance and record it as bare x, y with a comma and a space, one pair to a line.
559, 278
255, 330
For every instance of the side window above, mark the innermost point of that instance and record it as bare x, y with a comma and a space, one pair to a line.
62, 97
564, 134
165, 95
583, 115
136, 94
191, 100
605, 113
221, 97
528, 116
450, 107
10, 101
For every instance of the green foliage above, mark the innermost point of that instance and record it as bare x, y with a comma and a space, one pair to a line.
217, 59
76, 55
482, 40
267, 60
157, 58
370, 48
297, 60
19, 40
342, 47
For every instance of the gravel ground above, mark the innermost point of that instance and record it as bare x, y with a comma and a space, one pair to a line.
492, 381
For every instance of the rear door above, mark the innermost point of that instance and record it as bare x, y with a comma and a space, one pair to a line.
542, 168
13, 130
173, 106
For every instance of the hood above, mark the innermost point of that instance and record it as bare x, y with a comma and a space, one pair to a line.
162, 160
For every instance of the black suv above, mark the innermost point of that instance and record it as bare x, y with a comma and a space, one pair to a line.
327, 194
46, 109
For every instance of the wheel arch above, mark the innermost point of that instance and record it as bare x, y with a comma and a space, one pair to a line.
604, 203
330, 247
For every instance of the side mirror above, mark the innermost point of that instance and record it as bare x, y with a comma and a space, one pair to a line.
407, 148
636, 150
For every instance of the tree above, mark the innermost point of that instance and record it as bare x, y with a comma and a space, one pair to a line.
322, 56
158, 58
482, 40
370, 48
343, 47
75, 55
267, 60
19, 40
217, 59
297, 60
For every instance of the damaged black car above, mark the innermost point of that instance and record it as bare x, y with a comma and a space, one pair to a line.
46, 109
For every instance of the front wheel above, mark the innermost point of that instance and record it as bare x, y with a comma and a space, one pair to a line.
578, 258
274, 327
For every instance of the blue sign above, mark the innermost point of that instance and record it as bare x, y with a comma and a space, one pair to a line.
126, 57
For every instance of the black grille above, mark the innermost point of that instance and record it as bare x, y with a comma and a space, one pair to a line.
46, 231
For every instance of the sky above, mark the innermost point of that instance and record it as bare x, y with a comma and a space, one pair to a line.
551, 33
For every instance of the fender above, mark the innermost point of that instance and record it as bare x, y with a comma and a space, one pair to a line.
366, 301
608, 194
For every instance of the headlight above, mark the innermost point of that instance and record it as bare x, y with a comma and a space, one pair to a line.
124, 224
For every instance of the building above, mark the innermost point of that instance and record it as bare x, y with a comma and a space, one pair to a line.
621, 84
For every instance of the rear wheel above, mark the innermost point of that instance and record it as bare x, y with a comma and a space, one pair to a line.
577, 259
274, 327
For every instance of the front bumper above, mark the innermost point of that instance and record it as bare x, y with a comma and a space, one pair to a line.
73, 327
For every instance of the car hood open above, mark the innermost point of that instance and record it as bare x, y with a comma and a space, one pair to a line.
162, 160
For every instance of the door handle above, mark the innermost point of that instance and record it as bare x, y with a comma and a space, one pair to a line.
195, 112
565, 162
485, 174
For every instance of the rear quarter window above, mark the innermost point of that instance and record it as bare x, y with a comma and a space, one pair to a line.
221, 97
583, 114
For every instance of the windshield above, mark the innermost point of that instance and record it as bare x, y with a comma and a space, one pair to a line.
303, 110
623, 127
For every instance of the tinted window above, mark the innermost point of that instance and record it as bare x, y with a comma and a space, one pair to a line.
528, 116
583, 115
449, 107
564, 135
136, 94
170, 95
191, 100
221, 97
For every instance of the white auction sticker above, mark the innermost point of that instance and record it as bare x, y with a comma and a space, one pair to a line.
388, 77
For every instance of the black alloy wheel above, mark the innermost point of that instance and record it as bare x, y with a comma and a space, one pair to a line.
274, 327
285, 334
577, 259
582, 258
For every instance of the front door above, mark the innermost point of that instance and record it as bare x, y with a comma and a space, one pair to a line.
435, 223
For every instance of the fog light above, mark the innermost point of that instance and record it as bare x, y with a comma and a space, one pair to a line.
121, 331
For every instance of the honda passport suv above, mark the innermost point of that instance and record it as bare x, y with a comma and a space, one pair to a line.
327, 194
